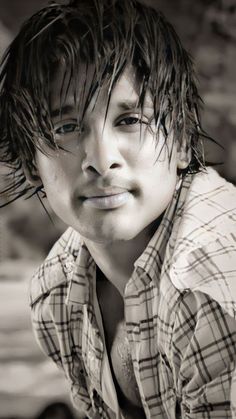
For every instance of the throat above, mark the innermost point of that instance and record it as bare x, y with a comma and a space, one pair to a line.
115, 260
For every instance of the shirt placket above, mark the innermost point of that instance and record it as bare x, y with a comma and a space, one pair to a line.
135, 315
80, 275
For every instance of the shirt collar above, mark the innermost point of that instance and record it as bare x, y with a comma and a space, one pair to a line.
70, 261
148, 265
151, 260
81, 281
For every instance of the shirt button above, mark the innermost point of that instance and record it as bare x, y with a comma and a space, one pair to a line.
69, 269
92, 357
93, 362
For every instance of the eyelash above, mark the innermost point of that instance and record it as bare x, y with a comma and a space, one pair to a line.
62, 129
134, 118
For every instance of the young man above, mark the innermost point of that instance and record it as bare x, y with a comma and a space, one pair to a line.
136, 301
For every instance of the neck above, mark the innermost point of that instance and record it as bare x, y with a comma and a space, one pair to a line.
116, 260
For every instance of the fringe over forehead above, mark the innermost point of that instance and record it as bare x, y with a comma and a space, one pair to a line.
110, 35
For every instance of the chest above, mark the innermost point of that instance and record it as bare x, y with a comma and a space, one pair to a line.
118, 349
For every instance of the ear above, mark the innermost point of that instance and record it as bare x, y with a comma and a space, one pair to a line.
184, 154
31, 173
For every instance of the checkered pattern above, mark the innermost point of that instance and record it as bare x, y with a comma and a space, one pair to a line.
180, 310
233, 396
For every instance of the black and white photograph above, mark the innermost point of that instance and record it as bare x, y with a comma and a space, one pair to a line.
117, 209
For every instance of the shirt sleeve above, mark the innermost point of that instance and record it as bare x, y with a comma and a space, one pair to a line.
204, 353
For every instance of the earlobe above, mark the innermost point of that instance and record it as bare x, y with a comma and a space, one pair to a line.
31, 174
184, 155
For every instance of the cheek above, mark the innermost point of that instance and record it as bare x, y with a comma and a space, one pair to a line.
155, 163
157, 175
148, 151
54, 171
50, 176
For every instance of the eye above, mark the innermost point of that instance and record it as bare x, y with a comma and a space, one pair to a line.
131, 120
66, 127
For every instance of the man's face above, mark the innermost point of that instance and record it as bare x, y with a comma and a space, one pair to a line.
112, 177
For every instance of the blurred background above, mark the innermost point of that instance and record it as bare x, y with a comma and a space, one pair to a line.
30, 386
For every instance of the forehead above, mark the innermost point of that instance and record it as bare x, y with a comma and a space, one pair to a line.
75, 91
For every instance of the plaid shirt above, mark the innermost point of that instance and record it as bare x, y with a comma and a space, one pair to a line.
180, 309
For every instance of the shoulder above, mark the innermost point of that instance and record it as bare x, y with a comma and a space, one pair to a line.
208, 213
54, 270
204, 242
210, 204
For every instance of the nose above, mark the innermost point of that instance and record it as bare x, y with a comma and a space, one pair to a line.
101, 154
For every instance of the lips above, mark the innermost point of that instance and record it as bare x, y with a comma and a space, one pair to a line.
108, 199
103, 192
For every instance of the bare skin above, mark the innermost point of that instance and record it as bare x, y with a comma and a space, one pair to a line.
118, 348
116, 260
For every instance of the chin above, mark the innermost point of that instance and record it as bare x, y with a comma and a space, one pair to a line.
99, 234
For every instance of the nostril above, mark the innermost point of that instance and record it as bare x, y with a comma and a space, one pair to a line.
114, 166
92, 169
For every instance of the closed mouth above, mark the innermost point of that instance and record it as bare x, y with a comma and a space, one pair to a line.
107, 201
99, 193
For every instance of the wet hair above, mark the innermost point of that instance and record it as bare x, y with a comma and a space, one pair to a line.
110, 35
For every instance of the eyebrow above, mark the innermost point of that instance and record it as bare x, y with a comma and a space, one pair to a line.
128, 105
124, 105
62, 110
